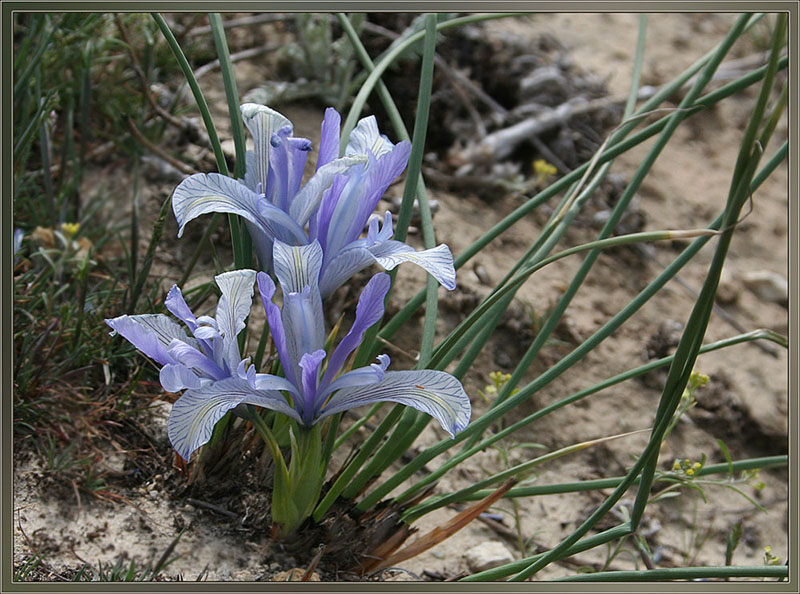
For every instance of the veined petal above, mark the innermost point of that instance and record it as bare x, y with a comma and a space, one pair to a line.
436, 393
266, 287
307, 200
177, 306
176, 377
342, 267
368, 311
329, 137
232, 309
195, 360
310, 363
202, 193
438, 261
207, 333
301, 322
297, 152
297, 266
365, 138
386, 232
262, 122
262, 243
320, 222
250, 173
196, 412
151, 334
277, 191
363, 376
266, 381
380, 175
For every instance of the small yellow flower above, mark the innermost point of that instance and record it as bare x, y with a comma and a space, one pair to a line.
690, 472
70, 229
542, 167
687, 462
697, 466
543, 170
676, 466
698, 379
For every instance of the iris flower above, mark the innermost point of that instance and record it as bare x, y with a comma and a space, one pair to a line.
333, 207
206, 363
270, 198
299, 335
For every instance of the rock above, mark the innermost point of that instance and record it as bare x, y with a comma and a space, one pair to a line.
728, 289
767, 285
488, 555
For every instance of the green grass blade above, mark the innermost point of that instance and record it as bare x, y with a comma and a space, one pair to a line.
681, 573
199, 98
610, 153
619, 378
487, 419
690, 341
402, 437
242, 244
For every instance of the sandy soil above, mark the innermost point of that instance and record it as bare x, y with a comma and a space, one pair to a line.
745, 403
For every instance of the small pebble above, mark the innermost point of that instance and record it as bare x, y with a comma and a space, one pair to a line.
767, 285
482, 274
488, 555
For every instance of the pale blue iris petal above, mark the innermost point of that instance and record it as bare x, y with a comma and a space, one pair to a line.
262, 122
363, 376
297, 266
194, 359
266, 288
368, 311
277, 193
329, 137
263, 381
301, 323
177, 306
262, 243
250, 174
151, 334
436, 393
307, 200
206, 333
309, 363
176, 377
341, 219
386, 231
297, 151
202, 193
342, 268
380, 175
19, 234
266, 381
196, 412
246, 373
365, 138
232, 309
438, 261
320, 223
